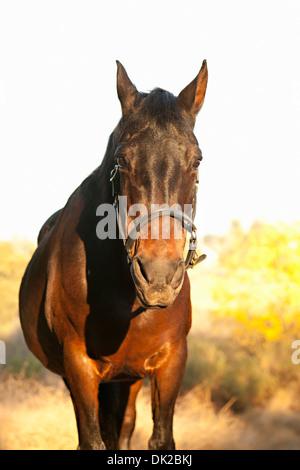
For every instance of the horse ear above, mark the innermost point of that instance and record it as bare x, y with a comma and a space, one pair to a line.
191, 97
127, 92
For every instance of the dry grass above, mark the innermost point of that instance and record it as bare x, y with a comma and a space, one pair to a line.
34, 416
196, 423
38, 416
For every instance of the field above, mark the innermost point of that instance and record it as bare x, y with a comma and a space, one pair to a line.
241, 389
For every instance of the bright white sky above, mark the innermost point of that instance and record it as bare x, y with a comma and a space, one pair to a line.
58, 101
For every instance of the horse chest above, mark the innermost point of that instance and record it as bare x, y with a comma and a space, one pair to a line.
136, 354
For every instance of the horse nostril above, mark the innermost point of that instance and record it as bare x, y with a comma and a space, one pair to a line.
140, 270
177, 278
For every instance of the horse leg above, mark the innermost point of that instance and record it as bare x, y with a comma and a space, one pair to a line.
74, 405
130, 414
82, 378
109, 404
166, 381
117, 412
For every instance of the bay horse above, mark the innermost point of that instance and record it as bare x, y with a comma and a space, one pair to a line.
106, 313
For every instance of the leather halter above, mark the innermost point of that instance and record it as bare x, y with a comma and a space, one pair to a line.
192, 258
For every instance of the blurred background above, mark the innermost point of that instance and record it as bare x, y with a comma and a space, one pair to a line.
58, 105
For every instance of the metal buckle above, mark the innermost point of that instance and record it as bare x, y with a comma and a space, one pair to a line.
113, 173
196, 259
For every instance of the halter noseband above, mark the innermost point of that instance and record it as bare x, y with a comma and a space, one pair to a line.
192, 258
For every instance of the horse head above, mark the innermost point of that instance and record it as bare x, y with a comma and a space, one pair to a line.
157, 158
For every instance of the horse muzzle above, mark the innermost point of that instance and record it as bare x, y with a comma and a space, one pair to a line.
157, 282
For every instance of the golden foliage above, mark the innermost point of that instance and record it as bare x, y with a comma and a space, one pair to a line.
259, 282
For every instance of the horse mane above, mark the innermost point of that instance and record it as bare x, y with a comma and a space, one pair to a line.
161, 107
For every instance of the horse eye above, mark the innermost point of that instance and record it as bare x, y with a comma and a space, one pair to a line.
196, 163
121, 161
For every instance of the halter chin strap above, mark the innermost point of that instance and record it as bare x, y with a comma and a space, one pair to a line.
192, 258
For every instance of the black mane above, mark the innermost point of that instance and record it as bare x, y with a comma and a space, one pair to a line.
161, 107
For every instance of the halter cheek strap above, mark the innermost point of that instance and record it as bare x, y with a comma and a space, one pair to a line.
192, 258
